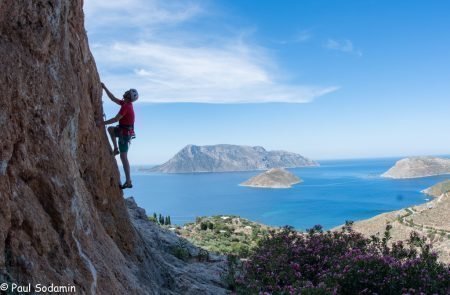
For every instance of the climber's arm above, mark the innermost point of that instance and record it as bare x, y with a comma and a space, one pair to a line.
110, 95
112, 120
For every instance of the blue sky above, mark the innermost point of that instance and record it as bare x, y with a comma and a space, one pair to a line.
326, 79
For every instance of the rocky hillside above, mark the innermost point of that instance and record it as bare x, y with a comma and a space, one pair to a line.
418, 167
273, 178
430, 219
63, 219
225, 157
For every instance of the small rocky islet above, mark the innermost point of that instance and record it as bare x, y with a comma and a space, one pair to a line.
273, 178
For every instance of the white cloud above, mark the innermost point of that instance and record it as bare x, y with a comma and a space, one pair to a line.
301, 37
343, 46
138, 13
168, 66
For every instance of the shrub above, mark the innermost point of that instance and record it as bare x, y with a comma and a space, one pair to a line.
345, 262
203, 226
180, 251
203, 255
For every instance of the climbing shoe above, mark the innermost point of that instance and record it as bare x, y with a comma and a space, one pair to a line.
126, 185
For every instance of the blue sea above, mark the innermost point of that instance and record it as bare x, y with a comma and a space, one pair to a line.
329, 195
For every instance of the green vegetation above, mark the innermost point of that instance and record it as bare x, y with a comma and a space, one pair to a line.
160, 219
410, 211
180, 251
318, 262
224, 234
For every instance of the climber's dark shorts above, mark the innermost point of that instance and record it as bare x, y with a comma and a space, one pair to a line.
124, 140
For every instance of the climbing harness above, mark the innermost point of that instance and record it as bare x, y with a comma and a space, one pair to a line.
126, 132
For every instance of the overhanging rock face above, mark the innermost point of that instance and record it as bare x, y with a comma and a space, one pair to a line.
63, 219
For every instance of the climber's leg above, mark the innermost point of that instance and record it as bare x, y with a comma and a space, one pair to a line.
126, 169
112, 134
124, 143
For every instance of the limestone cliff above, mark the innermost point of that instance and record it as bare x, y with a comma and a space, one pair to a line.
63, 219
228, 157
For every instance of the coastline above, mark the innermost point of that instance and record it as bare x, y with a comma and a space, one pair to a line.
269, 187
413, 177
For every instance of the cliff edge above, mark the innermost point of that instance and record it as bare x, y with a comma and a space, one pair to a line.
63, 219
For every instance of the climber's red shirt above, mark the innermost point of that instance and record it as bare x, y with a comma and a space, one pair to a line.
127, 112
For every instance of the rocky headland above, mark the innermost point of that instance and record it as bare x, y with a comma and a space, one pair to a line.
416, 167
438, 189
273, 178
227, 158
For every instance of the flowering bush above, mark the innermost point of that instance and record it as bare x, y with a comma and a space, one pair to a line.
345, 262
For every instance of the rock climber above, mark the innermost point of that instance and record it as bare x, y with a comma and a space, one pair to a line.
124, 132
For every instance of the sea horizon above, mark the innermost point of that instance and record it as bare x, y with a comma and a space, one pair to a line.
318, 160
335, 191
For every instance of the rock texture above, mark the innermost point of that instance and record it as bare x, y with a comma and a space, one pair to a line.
273, 178
418, 167
226, 157
63, 219
438, 189
196, 274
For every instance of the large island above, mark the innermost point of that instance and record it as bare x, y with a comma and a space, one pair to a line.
416, 167
227, 158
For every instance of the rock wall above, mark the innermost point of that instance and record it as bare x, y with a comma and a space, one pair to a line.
63, 219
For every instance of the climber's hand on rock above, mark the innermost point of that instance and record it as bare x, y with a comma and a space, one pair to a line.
103, 85
99, 123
